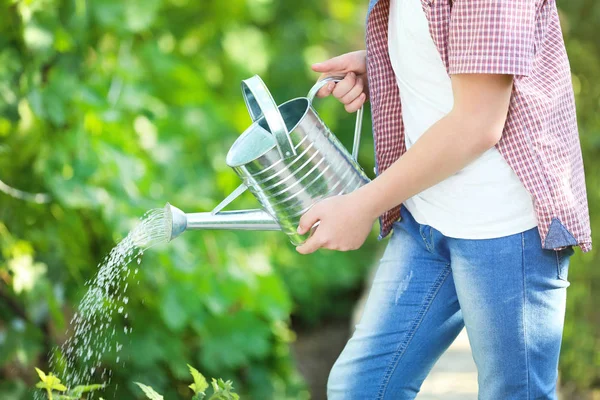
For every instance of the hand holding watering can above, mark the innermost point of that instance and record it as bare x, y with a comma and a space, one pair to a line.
352, 91
290, 161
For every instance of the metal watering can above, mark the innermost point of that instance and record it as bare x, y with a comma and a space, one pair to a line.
288, 159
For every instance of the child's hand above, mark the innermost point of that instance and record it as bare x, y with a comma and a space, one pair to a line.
352, 91
344, 224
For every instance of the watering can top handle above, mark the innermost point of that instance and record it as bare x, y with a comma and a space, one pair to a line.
359, 114
260, 102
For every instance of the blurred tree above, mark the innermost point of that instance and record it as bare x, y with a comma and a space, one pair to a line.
109, 108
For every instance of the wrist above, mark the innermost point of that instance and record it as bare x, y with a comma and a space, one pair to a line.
368, 202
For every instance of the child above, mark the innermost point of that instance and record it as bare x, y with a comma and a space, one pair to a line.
480, 176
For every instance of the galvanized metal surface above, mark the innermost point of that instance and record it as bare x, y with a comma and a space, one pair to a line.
260, 104
244, 220
287, 181
288, 187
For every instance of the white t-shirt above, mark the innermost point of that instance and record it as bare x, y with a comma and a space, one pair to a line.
485, 199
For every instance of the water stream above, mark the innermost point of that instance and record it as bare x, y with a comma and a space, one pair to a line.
92, 330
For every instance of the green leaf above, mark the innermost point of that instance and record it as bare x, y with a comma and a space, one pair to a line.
78, 390
200, 384
49, 382
223, 390
55, 384
149, 392
41, 373
172, 310
140, 14
243, 331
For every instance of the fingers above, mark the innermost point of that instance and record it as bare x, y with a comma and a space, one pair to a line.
335, 64
356, 88
356, 104
308, 220
310, 246
355, 98
326, 90
350, 92
344, 86
354, 61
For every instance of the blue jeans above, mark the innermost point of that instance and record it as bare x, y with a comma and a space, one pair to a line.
508, 292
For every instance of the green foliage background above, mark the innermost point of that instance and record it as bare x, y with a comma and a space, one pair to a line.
114, 107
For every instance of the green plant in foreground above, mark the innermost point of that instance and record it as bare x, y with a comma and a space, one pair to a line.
222, 390
51, 383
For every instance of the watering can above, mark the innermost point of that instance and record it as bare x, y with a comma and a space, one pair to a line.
288, 159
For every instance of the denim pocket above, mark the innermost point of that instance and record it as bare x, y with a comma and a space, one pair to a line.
563, 258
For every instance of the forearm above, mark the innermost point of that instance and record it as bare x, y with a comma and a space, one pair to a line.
444, 149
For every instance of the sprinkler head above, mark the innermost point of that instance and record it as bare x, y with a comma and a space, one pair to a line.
176, 221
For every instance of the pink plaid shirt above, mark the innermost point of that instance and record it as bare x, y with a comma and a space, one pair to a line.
540, 140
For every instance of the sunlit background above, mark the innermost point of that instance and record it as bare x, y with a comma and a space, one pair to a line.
110, 108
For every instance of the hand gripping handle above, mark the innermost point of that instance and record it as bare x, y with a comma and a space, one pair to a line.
359, 114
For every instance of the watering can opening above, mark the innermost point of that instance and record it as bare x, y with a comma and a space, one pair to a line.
257, 140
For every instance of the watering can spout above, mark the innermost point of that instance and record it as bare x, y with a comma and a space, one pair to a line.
176, 221
249, 220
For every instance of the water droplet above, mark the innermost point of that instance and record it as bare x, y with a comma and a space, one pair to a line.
91, 335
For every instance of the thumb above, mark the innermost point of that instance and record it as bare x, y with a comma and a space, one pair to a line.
310, 218
335, 64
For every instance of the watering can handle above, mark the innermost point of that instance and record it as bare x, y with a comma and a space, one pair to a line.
260, 102
359, 114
